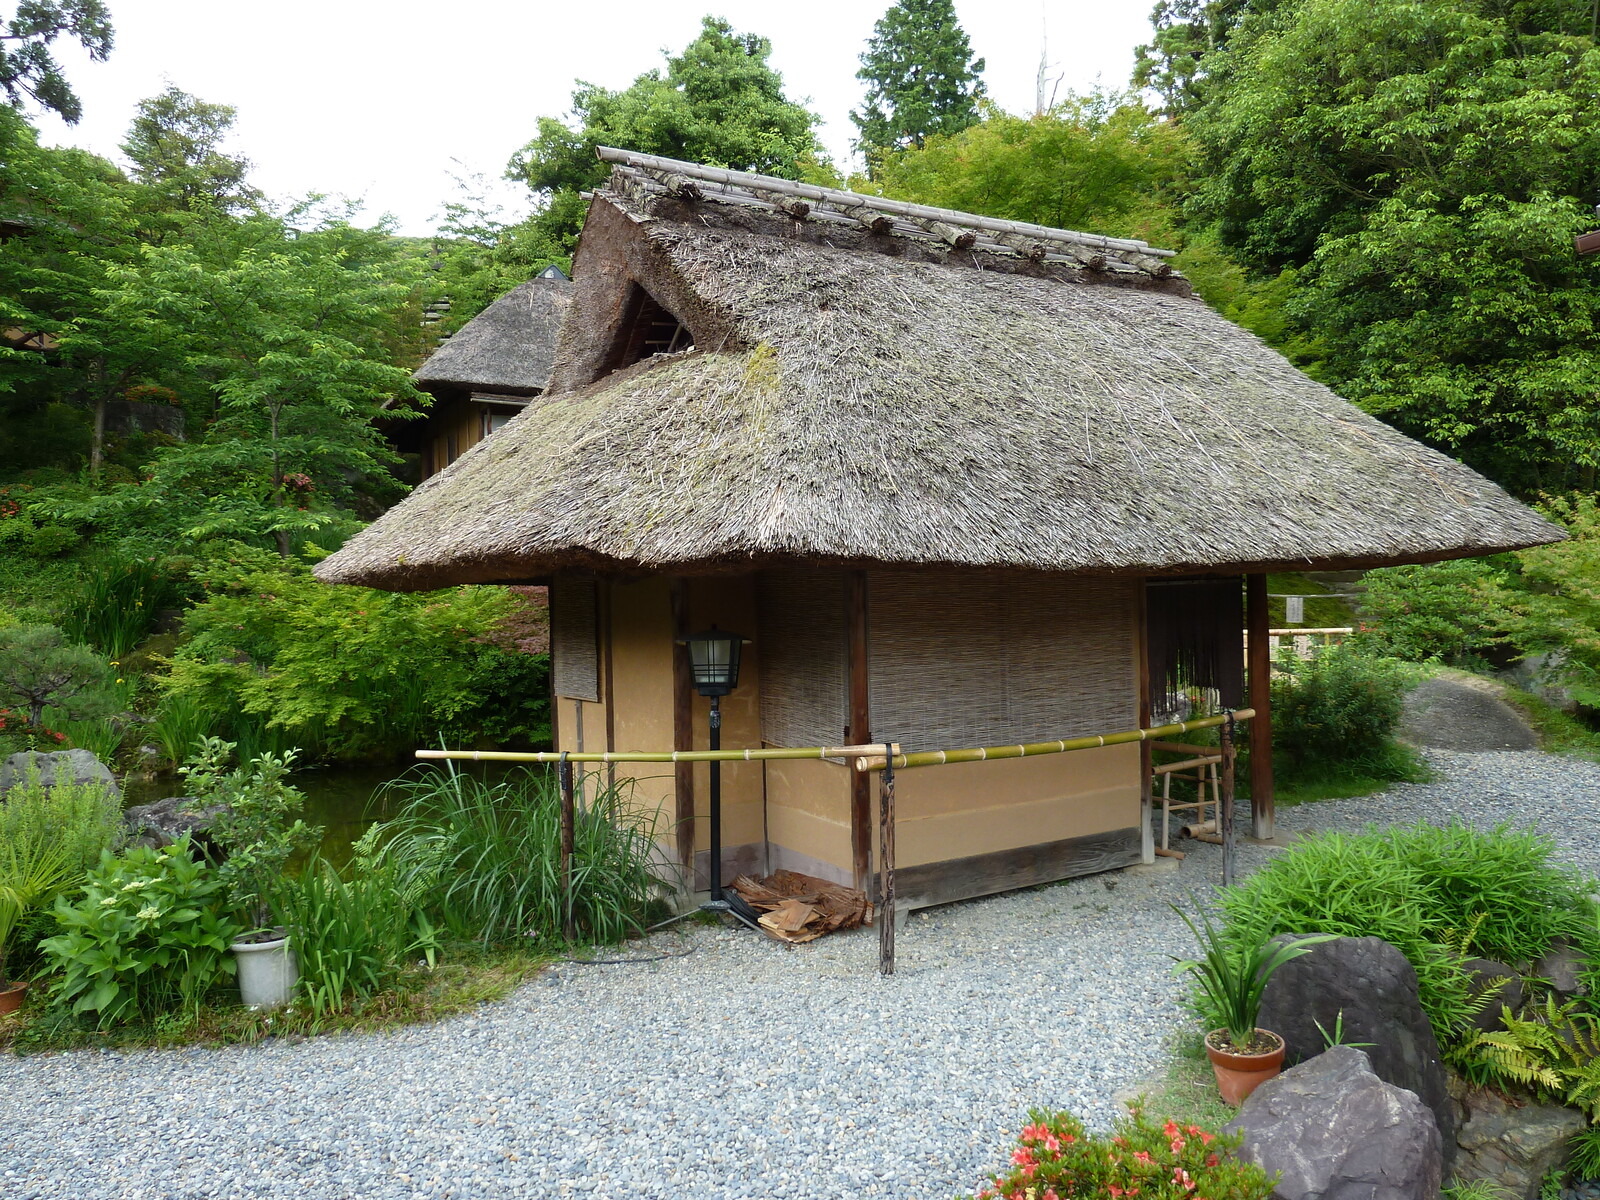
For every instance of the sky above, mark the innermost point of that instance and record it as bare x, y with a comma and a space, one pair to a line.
385, 100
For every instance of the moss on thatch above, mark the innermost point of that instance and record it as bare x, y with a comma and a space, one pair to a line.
866, 406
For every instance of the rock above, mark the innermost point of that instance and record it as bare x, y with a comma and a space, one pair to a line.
165, 821
1510, 1146
1484, 971
1375, 988
73, 766
1563, 966
1338, 1132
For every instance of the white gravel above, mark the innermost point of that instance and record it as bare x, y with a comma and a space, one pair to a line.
744, 1069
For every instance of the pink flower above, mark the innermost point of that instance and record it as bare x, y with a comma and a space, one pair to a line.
1141, 1156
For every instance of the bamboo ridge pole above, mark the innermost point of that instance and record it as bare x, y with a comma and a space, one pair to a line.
936, 758
654, 756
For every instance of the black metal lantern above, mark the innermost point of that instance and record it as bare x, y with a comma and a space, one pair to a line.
714, 661
714, 668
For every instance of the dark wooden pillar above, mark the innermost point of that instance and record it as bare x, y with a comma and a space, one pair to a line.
1262, 810
683, 729
604, 617
860, 731
1147, 843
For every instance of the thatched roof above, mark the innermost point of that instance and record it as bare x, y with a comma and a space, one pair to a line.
857, 397
507, 347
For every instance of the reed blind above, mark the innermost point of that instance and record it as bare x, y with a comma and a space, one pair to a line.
574, 639
964, 658
804, 685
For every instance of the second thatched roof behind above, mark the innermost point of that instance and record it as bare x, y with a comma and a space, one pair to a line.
864, 407
509, 346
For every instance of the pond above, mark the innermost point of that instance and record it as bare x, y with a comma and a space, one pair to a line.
343, 799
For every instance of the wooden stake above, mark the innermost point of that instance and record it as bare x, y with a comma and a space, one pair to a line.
568, 832
1226, 731
886, 867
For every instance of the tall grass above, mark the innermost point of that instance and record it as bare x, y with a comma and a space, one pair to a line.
101, 737
115, 603
181, 722
488, 855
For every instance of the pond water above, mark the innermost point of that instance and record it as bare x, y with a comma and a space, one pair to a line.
343, 799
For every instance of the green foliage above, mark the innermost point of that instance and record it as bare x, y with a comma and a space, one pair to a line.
1434, 893
1456, 612
350, 936
147, 936
1424, 168
1552, 1050
259, 827
1475, 1189
115, 603
28, 69
82, 819
101, 737
38, 667
32, 869
175, 145
1563, 597
179, 725
1231, 974
487, 856
921, 78
1335, 706
349, 671
1585, 1161
1055, 1155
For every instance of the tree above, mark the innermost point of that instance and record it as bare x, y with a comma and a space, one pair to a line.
718, 102
39, 668
921, 78
1423, 169
28, 70
175, 146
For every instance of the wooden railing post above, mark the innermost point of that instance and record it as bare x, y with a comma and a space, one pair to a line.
886, 863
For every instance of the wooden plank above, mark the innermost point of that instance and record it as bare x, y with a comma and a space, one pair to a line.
1026, 866
683, 731
860, 729
1263, 813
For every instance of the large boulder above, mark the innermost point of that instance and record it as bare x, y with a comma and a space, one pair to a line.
70, 766
166, 821
1372, 985
1563, 965
1512, 1145
1338, 1132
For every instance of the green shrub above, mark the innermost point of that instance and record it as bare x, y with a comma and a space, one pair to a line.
39, 667
47, 541
1056, 1156
1335, 705
350, 936
1455, 612
147, 937
1438, 895
82, 818
488, 855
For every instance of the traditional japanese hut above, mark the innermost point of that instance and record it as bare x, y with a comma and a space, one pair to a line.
961, 481
487, 372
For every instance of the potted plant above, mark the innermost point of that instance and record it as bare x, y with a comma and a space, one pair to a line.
1230, 978
260, 830
31, 870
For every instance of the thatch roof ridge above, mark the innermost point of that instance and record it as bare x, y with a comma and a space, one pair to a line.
868, 408
509, 346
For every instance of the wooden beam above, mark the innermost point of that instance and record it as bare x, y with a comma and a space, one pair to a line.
860, 728
1263, 812
683, 731
1005, 870
875, 222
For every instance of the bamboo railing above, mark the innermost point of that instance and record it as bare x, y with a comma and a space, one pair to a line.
882, 759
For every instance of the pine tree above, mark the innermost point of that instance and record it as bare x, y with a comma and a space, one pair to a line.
921, 78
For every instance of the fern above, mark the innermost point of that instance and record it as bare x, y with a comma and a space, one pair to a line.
1550, 1049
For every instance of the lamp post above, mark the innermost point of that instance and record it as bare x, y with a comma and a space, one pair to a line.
714, 669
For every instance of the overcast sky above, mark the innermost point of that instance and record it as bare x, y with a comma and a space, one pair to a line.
375, 98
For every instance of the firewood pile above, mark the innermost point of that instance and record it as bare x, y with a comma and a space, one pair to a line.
798, 908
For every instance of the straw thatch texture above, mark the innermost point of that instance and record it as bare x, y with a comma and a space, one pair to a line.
804, 666
858, 406
509, 346
575, 639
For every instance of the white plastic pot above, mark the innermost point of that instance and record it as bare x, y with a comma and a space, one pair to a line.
267, 972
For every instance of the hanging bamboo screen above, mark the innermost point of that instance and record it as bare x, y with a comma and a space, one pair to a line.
988, 658
574, 639
804, 685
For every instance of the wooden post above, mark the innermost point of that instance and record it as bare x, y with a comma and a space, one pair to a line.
683, 731
859, 731
604, 616
886, 864
568, 823
1225, 816
1147, 840
1262, 809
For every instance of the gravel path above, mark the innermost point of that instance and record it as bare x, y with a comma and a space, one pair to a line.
1461, 712
744, 1069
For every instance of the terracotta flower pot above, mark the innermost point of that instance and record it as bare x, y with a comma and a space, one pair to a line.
1240, 1074
12, 996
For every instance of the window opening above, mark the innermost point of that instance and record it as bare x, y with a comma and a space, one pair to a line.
649, 330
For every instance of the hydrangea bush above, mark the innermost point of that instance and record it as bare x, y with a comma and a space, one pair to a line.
1056, 1159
